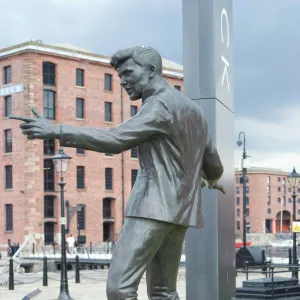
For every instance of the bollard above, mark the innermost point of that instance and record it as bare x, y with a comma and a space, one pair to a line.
11, 275
33, 248
77, 275
54, 248
272, 269
91, 250
263, 261
246, 265
290, 258
45, 272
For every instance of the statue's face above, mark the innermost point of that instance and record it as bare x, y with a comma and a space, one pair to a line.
134, 78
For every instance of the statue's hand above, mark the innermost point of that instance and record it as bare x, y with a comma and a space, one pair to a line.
39, 128
215, 186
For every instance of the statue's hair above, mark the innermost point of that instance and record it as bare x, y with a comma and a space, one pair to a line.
141, 55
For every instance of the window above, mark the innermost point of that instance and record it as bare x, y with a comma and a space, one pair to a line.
49, 73
79, 77
177, 87
238, 225
238, 200
49, 147
107, 211
49, 207
238, 212
247, 212
237, 180
9, 225
298, 211
108, 154
247, 200
268, 189
283, 189
107, 82
8, 106
278, 179
268, 179
290, 200
269, 211
134, 152
49, 233
8, 141
237, 190
289, 190
79, 108
268, 200
284, 200
133, 177
279, 200
133, 110
283, 181
298, 190
108, 114
247, 189
108, 178
80, 177
79, 151
81, 217
7, 75
49, 104
49, 175
278, 189
8, 177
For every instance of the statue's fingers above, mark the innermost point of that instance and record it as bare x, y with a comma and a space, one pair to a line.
24, 119
27, 131
27, 125
37, 114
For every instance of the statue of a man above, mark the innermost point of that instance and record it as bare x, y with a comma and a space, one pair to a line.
176, 157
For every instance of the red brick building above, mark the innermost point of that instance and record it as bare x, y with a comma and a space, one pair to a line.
268, 194
73, 86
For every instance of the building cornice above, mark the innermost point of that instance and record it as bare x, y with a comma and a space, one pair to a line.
70, 53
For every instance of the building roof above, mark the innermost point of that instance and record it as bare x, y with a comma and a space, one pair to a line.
170, 68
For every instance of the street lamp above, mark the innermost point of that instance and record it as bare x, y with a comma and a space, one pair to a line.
244, 180
294, 179
61, 162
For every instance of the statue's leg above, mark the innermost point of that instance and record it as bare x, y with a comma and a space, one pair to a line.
138, 242
163, 269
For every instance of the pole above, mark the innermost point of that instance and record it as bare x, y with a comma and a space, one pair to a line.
64, 289
281, 215
122, 159
295, 271
244, 192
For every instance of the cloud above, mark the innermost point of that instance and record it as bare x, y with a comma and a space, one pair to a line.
275, 143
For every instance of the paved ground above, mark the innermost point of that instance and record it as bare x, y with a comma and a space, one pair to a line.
92, 286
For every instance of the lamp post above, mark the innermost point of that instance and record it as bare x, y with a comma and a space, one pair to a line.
244, 180
61, 162
294, 179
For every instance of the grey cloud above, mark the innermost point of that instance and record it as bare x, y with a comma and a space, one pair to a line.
266, 46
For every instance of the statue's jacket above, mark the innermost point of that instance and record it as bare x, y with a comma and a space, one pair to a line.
171, 133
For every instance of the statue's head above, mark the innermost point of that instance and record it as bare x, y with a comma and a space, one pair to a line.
138, 67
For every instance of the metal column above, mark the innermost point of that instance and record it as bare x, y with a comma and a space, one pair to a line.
207, 48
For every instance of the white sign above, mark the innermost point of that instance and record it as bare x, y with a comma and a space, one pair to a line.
12, 89
296, 226
63, 221
225, 38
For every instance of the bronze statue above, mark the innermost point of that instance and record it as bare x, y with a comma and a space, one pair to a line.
177, 158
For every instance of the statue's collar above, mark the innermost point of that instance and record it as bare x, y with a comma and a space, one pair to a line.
156, 88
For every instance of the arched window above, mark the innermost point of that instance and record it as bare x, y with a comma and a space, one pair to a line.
49, 104
48, 73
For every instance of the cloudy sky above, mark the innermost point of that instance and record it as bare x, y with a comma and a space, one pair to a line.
266, 55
